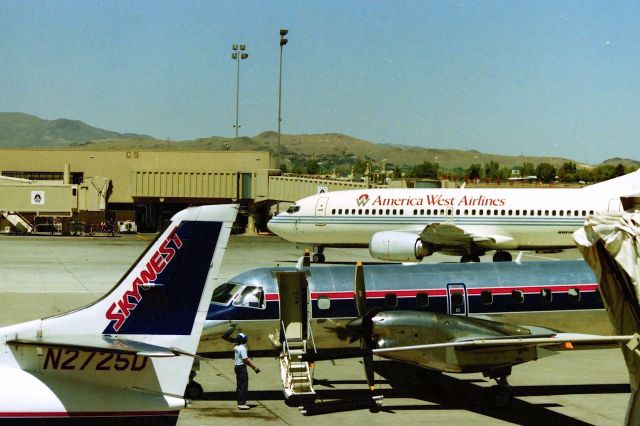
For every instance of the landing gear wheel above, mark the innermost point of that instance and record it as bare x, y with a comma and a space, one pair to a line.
318, 258
468, 258
502, 256
193, 391
501, 396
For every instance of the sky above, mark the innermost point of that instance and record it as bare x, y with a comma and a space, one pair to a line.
543, 78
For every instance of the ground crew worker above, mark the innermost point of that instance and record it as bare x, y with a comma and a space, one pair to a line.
241, 361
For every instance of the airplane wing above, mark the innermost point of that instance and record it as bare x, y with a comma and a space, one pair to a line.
562, 341
100, 344
448, 234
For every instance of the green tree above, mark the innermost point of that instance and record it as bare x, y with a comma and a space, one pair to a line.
492, 170
528, 169
546, 172
427, 170
567, 172
474, 171
311, 166
619, 170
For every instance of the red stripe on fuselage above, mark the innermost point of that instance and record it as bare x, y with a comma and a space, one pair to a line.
473, 291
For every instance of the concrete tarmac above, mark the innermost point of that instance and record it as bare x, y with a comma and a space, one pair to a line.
41, 276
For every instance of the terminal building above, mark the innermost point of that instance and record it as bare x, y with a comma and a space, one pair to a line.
148, 186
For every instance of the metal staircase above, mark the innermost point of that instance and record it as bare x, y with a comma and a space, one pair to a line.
295, 335
21, 224
295, 371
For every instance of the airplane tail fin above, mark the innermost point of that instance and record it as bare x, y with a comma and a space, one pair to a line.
156, 311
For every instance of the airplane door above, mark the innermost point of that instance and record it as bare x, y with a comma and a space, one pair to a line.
293, 290
449, 215
321, 211
457, 301
615, 205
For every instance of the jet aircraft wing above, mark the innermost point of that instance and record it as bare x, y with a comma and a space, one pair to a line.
448, 234
99, 344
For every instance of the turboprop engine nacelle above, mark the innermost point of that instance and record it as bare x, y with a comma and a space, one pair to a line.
398, 246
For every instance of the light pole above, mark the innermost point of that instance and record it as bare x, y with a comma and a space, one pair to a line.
238, 55
283, 41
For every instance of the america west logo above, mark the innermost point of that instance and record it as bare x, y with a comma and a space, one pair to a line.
363, 200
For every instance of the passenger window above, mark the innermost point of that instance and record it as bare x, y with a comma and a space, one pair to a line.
517, 296
324, 303
388, 211
422, 300
333, 211
390, 300
574, 295
486, 296
373, 211
339, 211
546, 295
251, 297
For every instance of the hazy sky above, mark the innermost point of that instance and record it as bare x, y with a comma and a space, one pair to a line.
507, 77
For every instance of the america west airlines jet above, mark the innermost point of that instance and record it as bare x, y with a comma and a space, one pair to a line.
125, 359
409, 224
451, 317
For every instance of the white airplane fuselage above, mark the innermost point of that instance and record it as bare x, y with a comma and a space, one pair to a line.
481, 219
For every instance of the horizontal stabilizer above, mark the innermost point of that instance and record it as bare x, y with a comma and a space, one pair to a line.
99, 344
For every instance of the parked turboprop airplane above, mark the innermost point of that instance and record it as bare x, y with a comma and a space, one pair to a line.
447, 317
409, 224
125, 359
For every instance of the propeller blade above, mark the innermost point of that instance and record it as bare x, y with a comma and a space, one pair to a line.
360, 293
367, 359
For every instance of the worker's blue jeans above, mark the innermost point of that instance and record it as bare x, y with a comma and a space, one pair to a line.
242, 384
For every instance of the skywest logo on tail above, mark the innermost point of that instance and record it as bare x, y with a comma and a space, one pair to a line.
154, 267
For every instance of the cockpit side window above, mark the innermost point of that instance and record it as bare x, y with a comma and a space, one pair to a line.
293, 209
224, 293
251, 297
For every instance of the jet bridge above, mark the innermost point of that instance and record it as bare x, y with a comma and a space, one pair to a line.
22, 200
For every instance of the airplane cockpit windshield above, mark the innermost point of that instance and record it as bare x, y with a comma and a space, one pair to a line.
293, 209
250, 296
224, 293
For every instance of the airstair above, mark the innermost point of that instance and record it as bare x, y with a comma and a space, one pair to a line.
296, 337
18, 221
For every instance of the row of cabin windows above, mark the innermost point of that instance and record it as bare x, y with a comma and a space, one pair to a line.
459, 212
457, 299
372, 212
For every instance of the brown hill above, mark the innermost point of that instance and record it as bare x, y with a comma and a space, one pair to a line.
324, 145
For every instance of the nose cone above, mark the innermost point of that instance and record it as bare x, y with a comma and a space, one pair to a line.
282, 225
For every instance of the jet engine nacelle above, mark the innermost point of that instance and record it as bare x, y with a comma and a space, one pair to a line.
398, 246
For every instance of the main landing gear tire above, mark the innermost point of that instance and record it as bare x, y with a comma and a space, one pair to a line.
468, 258
193, 391
502, 256
318, 258
501, 396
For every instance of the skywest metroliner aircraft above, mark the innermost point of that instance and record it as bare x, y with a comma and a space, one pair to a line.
409, 224
452, 317
124, 359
